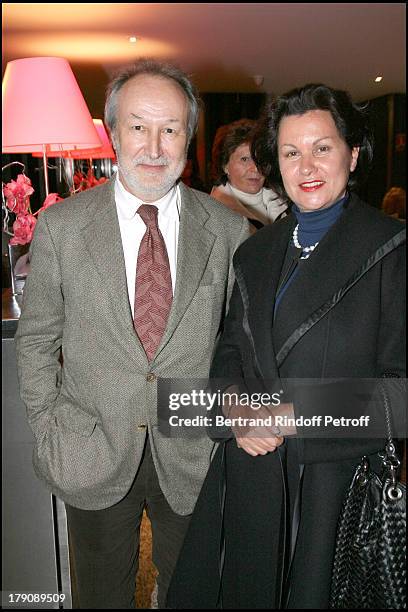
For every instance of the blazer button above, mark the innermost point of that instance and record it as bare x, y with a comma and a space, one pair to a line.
142, 426
150, 377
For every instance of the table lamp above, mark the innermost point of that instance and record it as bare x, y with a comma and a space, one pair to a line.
44, 109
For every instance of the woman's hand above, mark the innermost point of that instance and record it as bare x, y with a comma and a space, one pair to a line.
259, 446
254, 429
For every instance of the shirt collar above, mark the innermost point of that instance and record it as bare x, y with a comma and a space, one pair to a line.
128, 204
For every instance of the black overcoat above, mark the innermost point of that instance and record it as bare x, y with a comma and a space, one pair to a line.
245, 513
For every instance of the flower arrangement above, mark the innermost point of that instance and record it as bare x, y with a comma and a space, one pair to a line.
86, 181
16, 199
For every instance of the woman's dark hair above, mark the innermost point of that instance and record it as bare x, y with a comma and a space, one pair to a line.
227, 139
351, 121
395, 202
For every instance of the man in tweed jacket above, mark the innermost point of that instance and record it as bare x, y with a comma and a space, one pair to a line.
93, 412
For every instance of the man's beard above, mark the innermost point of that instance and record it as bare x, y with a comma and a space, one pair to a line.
152, 191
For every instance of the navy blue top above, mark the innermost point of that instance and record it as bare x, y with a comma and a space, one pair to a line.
312, 227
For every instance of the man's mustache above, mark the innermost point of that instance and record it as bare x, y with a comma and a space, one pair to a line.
145, 159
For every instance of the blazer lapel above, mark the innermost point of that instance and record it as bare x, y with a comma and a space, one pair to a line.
103, 241
195, 244
262, 282
340, 253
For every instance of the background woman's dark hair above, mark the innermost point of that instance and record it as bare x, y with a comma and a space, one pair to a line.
227, 139
394, 202
351, 121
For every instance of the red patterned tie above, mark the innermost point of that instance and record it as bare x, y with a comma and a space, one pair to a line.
154, 294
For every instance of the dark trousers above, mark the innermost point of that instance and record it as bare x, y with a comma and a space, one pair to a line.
105, 543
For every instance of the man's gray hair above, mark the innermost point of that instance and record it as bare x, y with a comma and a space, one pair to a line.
154, 68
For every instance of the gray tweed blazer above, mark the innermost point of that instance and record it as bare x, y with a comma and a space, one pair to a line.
86, 413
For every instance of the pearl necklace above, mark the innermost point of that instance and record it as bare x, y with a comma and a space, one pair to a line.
306, 250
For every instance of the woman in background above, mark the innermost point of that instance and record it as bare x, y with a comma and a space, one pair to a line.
238, 182
394, 203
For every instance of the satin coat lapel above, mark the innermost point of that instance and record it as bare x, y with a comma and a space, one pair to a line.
195, 244
339, 254
103, 240
262, 283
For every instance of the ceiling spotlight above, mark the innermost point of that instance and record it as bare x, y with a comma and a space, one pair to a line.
132, 39
378, 79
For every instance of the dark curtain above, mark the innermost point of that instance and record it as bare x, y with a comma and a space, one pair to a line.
388, 117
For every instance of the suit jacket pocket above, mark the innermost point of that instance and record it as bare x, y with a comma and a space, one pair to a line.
209, 301
75, 419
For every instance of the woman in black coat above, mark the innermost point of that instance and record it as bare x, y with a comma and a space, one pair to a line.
263, 530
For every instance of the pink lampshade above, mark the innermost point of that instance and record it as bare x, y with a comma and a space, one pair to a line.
103, 152
43, 105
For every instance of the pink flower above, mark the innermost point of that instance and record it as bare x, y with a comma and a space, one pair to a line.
103, 179
17, 199
93, 181
23, 228
82, 182
51, 199
17, 194
18, 206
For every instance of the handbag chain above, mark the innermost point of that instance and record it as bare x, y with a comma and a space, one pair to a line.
390, 460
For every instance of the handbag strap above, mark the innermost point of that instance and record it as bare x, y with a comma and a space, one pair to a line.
391, 462
320, 312
386, 403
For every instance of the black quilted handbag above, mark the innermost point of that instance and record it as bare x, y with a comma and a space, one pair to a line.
369, 569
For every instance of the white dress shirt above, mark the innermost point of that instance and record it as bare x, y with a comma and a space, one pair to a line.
133, 228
